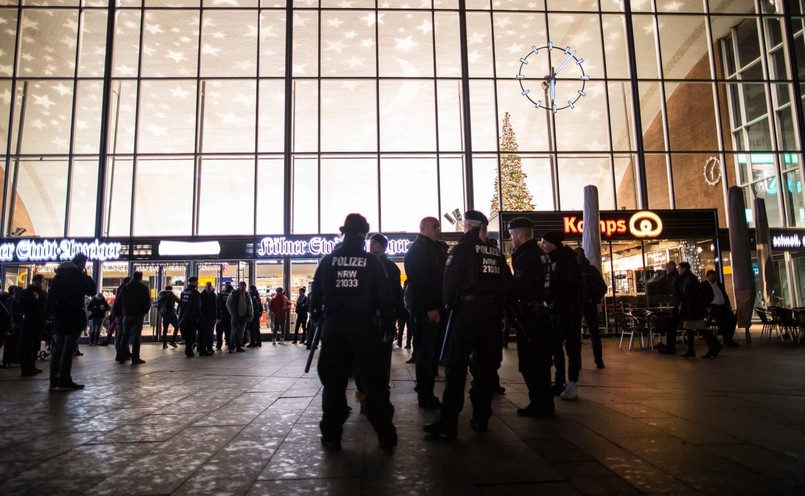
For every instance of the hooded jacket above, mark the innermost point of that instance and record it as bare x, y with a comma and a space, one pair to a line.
66, 298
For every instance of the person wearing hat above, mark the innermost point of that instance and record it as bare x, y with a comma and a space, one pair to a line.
350, 291
34, 308
189, 315
565, 292
476, 280
224, 325
66, 301
424, 268
529, 316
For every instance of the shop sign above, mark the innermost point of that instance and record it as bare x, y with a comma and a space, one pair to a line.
35, 250
642, 224
317, 246
791, 241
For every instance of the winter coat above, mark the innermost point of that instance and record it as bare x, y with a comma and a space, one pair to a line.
66, 298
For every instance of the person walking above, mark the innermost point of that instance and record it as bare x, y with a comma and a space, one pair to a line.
189, 315
476, 281
595, 288
239, 305
351, 299
66, 300
280, 306
719, 307
33, 303
166, 306
136, 304
424, 266
302, 306
207, 318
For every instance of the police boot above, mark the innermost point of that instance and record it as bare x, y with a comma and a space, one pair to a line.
442, 428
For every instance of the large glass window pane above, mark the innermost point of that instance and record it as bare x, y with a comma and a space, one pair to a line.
657, 181
271, 117
229, 43
305, 186
87, 133
170, 43
451, 184
49, 105
482, 112
698, 182
748, 42
450, 118
769, 190
621, 116
83, 197
538, 180
399, 176
272, 43
758, 136
651, 116
405, 45
683, 40
645, 46
42, 193
306, 115
163, 197
8, 37
348, 184
578, 5
407, 122
127, 44
785, 126
484, 172
796, 205
625, 184
230, 180
691, 117
271, 203
230, 110
349, 47
305, 43
48, 43
582, 35
348, 116
576, 172
118, 204
615, 48
5, 109
167, 120
448, 48
93, 44
573, 129
513, 44
479, 45
123, 105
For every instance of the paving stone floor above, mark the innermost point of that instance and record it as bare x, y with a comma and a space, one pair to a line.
247, 424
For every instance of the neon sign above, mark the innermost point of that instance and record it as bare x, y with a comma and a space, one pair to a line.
643, 224
32, 250
317, 246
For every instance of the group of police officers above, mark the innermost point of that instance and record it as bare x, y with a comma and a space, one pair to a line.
353, 301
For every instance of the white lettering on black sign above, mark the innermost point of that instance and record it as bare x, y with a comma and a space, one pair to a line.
30, 250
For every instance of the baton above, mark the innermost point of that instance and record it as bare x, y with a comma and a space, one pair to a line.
314, 343
446, 333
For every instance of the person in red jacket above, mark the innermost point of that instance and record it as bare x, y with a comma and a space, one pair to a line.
279, 305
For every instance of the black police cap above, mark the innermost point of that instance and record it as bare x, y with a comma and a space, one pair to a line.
380, 239
476, 216
519, 222
355, 224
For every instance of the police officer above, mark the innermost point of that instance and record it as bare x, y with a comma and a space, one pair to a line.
189, 315
351, 299
377, 247
476, 280
223, 326
529, 316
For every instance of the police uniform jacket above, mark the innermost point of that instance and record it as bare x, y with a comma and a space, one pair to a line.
223, 312
351, 283
190, 305
530, 276
424, 266
474, 272
566, 291
209, 305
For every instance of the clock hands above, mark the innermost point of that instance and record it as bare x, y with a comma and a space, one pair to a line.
550, 81
562, 65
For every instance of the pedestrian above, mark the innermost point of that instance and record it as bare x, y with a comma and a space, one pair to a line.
97, 308
280, 306
206, 323
424, 267
595, 288
350, 299
166, 306
692, 313
476, 281
136, 304
66, 300
529, 316
189, 315
719, 307
239, 305
666, 283
566, 300
255, 338
302, 306
403, 318
224, 325
33, 303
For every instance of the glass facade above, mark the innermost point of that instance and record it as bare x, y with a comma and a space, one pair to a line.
148, 118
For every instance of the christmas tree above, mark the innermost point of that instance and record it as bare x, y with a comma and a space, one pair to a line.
512, 178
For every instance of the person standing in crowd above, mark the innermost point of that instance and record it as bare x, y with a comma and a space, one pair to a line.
206, 323
255, 338
377, 247
403, 320
136, 304
280, 306
34, 308
719, 307
530, 317
66, 301
224, 324
189, 315
97, 309
667, 285
595, 288
692, 312
115, 328
350, 294
424, 266
566, 301
409, 312
476, 280
166, 306
239, 305
302, 306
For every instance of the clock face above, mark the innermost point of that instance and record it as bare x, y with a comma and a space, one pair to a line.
556, 78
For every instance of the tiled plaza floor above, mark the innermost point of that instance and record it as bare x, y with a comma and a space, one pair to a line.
247, 424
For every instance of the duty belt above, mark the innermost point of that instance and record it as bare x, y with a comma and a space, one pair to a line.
476, 299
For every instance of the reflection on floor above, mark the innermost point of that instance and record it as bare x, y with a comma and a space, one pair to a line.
247, 424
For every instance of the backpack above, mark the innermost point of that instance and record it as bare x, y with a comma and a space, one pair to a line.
162, 306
